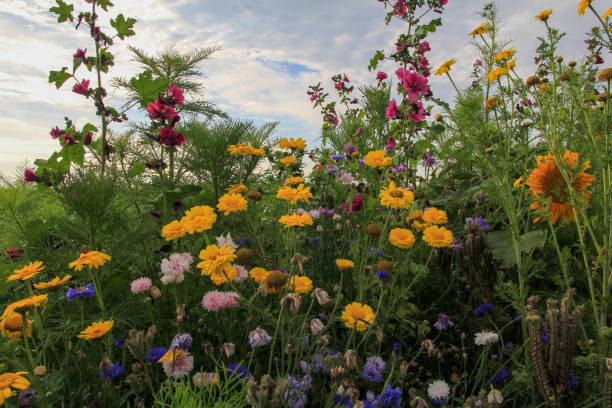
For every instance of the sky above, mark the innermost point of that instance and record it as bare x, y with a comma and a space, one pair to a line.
270, 52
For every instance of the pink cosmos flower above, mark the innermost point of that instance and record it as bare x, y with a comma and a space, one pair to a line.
81, 88
176, 94
29, 176
346, 178
381, 76
170, 138
80, 54
241, 273
182, 364
140, 285
392, 112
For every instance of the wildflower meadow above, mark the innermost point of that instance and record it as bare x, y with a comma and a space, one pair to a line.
422, 253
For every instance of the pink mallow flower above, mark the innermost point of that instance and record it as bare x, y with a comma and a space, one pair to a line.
381, 76
81, 88
159, 111
174, 267
392, 112
56, 132
418, 112
170, 138
391, 143
415, 84
176, 95
140, 285
80, 54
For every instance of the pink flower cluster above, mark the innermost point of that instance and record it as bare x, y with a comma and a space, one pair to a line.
215, 300
174, 267
162, 110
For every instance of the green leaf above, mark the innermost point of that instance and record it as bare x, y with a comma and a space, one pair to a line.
88, 127
500, 243
123, 26
75, 153
105, 4
136, 169
147, 87
59, 77
379, 56
63, 11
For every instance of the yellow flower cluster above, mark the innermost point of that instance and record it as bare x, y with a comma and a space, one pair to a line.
293, 195
216, 263
415, 218
295, 220
245, 150
230, 203
288, 160
377, 158
292, 143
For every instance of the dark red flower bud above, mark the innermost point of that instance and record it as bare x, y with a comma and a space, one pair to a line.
357, 202
88, 138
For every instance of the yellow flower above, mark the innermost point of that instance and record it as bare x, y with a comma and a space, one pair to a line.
435, 216
357, 316
27, 272
258, 274
416, 219
12, 326
214, 259
518, 182
199, 218
293, 180
396, 197
401, 238
481, 29
583, 6
491, 103
258, 152
496, 73
511, 64
245, 150
276, 281
230, 203
543, 16
295, 220
446, 67
438, 237
344, 263
226, 274
300, 284
292, 143
293, 195
53, 283
24, 304
377, 158
505, 54
288, 160
237, 188
96, 330
14, 380
175, 229
606, 14
170, 355
93, 259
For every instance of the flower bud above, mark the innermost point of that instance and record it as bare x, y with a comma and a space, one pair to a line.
293, 301
350, 358
316, 326
495, 397
40, 370
321, 296
228, 349
254, 195
155, 292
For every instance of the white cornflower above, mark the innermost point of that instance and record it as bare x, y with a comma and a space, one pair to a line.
485, 338
438, 390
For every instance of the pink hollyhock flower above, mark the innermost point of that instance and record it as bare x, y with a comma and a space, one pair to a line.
159, 111
213, 301
68, 138
415, 84
176, 95
339, 85
399, 8
390, 144
81, 88
14, 252
345, 207
478, 62
357, 202
392, 112
230, 299
170, 138
241, 273
182, 364
381, 76
418, 113
80, 54
425, 47
29, 176
140, 285
313, 97
57, 132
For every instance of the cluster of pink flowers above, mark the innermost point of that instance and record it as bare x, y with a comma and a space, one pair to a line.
162, 111
174, 267
215, 300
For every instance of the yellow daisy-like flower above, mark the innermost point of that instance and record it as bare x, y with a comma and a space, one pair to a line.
288, 160
170, 355
276, 281
415, 218
292, 143
295, 220
357, 316
245, 150
396, 197
401, 238
53, 283
496, 73
237, 188
481, 29
491, 103
91, 259
230, 203
543, 16
96, 330
258, 274
344, 264
607, 14
438, 237
518, 182
175, 229
199, 218
582, 6
12, 380
300, 284
27, 272
293, 195
446, 67
377, 158
511, 64
12, 326
227, 273
293, 180
215, 258
505, 54
435, 216
24, 305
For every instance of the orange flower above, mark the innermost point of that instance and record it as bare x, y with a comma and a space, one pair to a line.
292, 143
199, 218
215, 258
175, 229
237, 188
293, 195
377, 158
295, 220
583, 6
53, 283
344, 263
14, 380
543, 16
258, 274
481, 29
93, 259
96, 330
446, 67
401, 238
438, 237
288, 160
12, 326
396, 197
435, 216
229, 203
27, 272
547, 184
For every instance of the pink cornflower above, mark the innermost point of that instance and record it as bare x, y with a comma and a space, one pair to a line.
231, 299
392, 112
241, 273
182, 364
174, 267
213, 301
81, 88
140, 285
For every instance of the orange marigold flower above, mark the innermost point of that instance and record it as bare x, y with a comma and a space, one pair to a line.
292, 143
288, 160
27, 272
357, 316
245, 150
344, 263
295, 220
415, 218
481, 29
175, 229
396, 197
96, 330
258, 274
230, 203
446, 67
199, 218
293, 195
12, 326
511, 64
401, 238
438, 237
53, 283
91, 259
227, 273
237, 188
496, 73
607, 14
582, 6
377, 158
12, 380
300, 284
294, 180
547, 184
543, 16
24, 305
215, 258
435, 216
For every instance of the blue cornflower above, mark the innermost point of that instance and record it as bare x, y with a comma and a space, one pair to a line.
243, 241
337, 157
480, 221
315, 241
382, 274
574, 382
296, 391
390, 398
483, 310
501, 377
370, 374
235, 369
83, 292
181, 341
156, 353
112, 371
119, 341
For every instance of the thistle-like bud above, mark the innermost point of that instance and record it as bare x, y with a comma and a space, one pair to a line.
293, 301
350, 358
321, 296
316, 326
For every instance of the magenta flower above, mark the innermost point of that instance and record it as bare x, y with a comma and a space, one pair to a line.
381, 76
345, 79
357, 202
399, 8
390, 144
425, 47
444, 322
339, 85
428, 160
81, 88
313, 97
68, 138
478, 62
159, 111
29, 176
170, 138
80, 54
415, 84
418, 112
176, 95
392, 112
88, 138
57, 132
